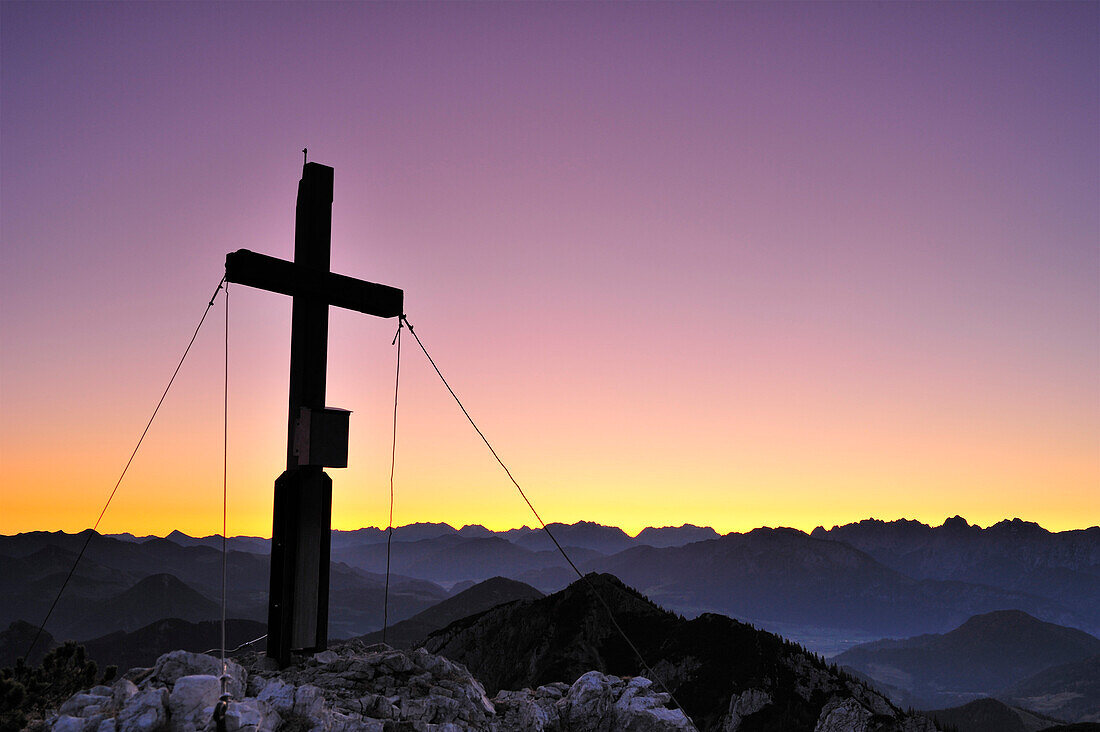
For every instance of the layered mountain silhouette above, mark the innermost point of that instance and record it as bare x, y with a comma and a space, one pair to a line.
940, 575
152, 598
666, 536
472, 601
981, 608
452, 558
106, 593
1018, 556
18, 637
983, 656
708, 663
831, 589
1066, 691
141, 647
990, 715
771, 576
775, 577
582, 535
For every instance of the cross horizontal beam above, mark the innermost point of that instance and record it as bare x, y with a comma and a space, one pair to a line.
244, 267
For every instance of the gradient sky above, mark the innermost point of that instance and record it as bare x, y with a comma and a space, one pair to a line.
728, 264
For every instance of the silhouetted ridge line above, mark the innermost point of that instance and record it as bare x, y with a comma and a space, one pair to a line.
591, 586
114, 490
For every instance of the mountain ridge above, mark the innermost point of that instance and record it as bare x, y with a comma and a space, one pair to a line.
816, 587
721, 670
984, 655
471, 601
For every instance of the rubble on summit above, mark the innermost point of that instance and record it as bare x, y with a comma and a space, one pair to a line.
357, 687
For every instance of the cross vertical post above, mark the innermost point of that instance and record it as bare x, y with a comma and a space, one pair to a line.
317, 437
302, 517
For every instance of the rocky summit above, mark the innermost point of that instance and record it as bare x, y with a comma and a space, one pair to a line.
360, 687
357, 687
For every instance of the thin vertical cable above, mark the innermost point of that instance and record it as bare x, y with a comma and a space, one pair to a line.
90, 534
592, 587
225, 479
393, 461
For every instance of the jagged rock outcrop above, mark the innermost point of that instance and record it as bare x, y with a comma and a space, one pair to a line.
729, 676
358, 687
743, 705
595, 702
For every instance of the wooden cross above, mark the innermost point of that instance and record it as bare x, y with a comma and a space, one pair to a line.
317, 437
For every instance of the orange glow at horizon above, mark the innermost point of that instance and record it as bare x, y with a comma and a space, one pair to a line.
630, 464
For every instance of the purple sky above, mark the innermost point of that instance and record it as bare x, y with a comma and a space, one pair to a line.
731, 264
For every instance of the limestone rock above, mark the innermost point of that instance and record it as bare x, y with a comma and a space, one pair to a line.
747, 702
642, 709
145, 711
844, 716
587, 706
523, 710
276, 693
176, 664
595, 702
354, 688
65, 723
251, 715
121, 693
191, 703
84, 705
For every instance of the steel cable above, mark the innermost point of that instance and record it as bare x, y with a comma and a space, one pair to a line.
588, 582
114, 490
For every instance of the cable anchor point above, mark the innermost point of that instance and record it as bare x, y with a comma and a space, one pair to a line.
218, 289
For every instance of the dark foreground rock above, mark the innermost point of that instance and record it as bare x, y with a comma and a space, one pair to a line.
377, 688
358, 687
728, 675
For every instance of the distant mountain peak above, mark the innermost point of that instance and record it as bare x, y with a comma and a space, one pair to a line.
1000, 615
164, 583
955, 522
666, 536
985, 654
681, 526
1013, 622
1017, 527
777, 531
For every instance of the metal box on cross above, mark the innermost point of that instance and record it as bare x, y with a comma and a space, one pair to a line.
321, 437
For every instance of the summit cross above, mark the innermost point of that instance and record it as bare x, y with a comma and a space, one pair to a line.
317, 436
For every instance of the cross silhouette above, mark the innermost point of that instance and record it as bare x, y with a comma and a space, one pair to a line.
317, 437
